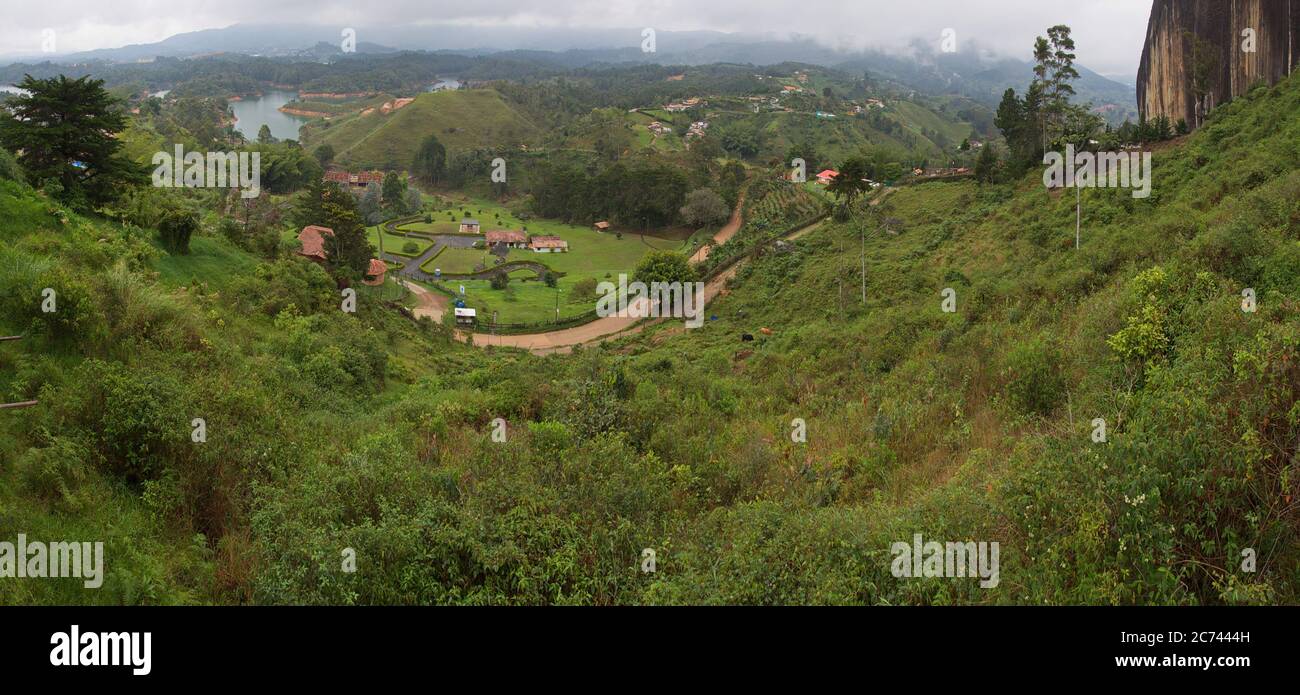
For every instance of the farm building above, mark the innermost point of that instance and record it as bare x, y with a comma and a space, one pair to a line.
548, 244
466, 317
313, 242
825, 177
510, 238
470, 226
375, 274
357, 180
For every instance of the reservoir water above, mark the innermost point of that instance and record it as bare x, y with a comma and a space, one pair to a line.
253, 112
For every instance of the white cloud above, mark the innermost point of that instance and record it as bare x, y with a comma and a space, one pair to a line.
1109, 32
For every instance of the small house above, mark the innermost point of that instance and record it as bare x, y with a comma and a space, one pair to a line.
466, 317
375, 273
470, 226
511, 239
313, 242
548, 244
825, 177
602, 226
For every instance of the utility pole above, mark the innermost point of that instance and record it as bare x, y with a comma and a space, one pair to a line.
864, 266
1078, 214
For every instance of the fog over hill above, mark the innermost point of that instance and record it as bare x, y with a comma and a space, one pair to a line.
974, 71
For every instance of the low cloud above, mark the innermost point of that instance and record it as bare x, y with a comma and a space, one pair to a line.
1109, 32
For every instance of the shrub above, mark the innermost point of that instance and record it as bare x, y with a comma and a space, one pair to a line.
9, 168
1036, 385
175, 230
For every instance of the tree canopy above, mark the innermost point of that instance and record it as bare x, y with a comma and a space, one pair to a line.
64, 130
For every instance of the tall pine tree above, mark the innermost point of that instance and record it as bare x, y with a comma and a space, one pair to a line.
64, 130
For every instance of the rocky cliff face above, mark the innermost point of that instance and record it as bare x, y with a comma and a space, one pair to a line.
1165, 85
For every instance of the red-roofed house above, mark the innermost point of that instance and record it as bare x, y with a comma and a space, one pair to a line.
511, 238
827, 176
359, 179
375, 274
548, 244
313, 242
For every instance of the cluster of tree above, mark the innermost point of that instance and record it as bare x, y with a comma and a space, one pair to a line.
286, 166
252, 224
64, 133
1045, 118
640, 194
393, 198
704, 207
1157, 129
205, 121
329, 205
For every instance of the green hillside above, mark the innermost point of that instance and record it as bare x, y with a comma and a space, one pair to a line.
462, 120
330, 431
904, 128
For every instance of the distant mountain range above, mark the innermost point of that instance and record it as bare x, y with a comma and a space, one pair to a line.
972, 73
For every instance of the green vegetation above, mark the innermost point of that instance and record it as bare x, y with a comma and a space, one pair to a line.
64, 133
525, 299
328, 429
461, 120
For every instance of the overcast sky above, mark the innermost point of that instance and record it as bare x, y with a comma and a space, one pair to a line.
1109, 33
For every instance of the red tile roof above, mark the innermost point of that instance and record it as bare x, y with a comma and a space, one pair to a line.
548, 242
505, 236
313, 241
828, 174
376, 272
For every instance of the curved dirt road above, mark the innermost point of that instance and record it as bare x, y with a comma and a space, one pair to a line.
434, 305
728, 230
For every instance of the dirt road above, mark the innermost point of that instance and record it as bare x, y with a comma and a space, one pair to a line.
728, 230
563, 341
434, 305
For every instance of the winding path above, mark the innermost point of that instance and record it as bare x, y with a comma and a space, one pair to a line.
434, 305
728, 230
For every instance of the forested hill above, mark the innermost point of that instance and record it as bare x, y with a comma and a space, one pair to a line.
328, 432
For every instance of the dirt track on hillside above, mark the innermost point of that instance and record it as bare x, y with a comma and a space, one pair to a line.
434, 305
728, 230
